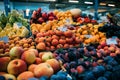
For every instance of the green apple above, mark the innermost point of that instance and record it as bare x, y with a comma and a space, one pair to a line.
16, 52
46, 56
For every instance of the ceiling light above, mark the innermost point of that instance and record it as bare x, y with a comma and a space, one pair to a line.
103, 4
50, 0
112, 5
86, 2
73, 1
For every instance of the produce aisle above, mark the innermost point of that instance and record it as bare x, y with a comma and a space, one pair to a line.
59, 45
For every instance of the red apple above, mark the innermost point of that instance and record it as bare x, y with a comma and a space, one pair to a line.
44, 15
39, 10
28, 57
51, 18
16, 52
40, 20
16, 67
4, 63
50, 14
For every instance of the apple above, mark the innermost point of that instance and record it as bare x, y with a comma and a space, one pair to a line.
43, 69
25, 75
39, 10
51, 14
51, 18
16, 52
44, 15
46, 56
16, 67
4, 63
40, 20
35, 51
32, 67
54, 64
28, 57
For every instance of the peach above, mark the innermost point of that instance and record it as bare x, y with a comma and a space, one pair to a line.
16, 67
16, 52
112, 49
25, 75
4, 63
35, 51
32, 67
43, 69
54, 64
38, 60
28, 57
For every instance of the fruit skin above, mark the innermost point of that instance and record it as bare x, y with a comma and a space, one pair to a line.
32, 67
8, 76
35, 51
4, 63
43, 69
54, 64
25, 75
38, 60
16, 67
28, 57
41, 20
16, 52
46, 56
41, 46
80, 69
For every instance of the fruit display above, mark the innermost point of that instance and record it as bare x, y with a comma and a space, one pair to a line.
55, 39
13, 25
65, 45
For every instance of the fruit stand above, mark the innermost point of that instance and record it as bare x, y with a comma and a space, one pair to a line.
58, 45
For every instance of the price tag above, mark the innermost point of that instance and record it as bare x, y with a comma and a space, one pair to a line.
111, 40
62, 29
5, 39
17, 25
88, 36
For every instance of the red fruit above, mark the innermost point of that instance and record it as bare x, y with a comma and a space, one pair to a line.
93, 21
99, 55
80, 69
94, 64
113, 54
103, 44
54, 42
39, 10
51, 18
69, 40
50, 14
62, 41
44, 15
40, 20
79, 19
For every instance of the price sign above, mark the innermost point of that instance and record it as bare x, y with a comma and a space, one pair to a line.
88, 36
5, 39
111, 40
17, 25
62, 29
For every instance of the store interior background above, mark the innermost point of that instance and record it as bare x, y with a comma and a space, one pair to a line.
26, 7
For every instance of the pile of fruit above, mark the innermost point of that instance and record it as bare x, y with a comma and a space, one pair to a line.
13, 25
65, 45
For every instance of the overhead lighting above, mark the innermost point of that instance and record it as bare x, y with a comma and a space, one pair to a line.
73, 1
112, 5
103, 4
86, 2
50, 0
